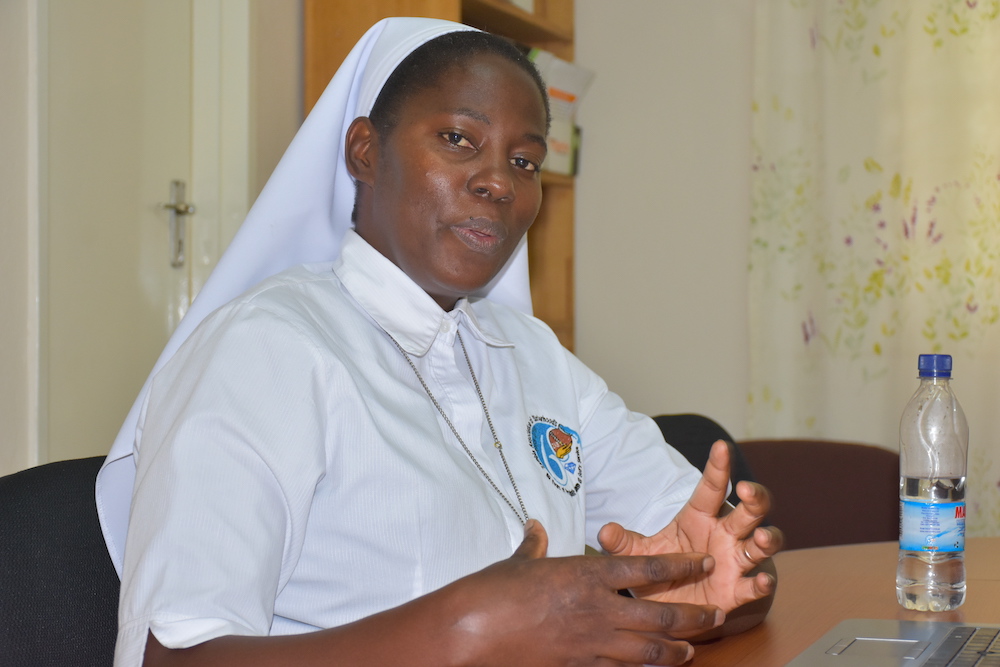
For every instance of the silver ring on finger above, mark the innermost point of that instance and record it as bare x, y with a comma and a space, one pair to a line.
747, 554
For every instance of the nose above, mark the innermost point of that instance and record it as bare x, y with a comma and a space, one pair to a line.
493, 181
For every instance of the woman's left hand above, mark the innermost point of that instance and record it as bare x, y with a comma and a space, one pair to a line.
736, 541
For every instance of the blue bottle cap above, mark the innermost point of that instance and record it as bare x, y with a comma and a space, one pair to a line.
934, 365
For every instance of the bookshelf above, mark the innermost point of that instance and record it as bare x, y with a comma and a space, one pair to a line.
331, 28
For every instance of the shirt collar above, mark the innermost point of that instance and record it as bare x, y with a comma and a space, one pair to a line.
399, 305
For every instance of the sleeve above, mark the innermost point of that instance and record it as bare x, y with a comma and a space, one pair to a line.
632, 475
230, 447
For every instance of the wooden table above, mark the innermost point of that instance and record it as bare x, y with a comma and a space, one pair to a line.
818, 588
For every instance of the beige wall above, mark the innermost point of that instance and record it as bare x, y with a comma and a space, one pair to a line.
662, 217
275, 84
663, 203
275, 116
18, 324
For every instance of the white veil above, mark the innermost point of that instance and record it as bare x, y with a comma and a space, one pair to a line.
300, 216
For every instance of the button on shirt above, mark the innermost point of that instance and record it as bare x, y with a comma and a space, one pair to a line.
293, 474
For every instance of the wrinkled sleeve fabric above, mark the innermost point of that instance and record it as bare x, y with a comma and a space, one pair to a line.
229, 451
632, 476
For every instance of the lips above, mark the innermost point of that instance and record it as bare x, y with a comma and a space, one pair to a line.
481, 234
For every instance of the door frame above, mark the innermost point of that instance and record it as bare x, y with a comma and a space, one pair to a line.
21, 27
220, 129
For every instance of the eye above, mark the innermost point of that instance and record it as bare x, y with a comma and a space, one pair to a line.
456, 139
525, 163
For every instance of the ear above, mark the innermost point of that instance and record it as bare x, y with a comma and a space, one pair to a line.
361, 150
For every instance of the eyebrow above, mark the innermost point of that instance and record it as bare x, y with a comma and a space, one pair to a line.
538, 139
472, 113
483, 118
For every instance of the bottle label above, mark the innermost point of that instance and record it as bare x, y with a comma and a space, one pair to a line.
931, 526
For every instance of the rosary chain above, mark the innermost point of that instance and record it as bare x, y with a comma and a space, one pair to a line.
496, 441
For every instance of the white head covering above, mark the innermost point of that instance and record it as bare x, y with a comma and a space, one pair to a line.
300, 216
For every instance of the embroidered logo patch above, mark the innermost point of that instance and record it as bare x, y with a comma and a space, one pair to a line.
557, 450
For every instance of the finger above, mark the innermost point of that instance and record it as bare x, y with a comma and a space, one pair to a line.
765, 542
712, 488
753, 588
649, 630
636, 649
667, 618
616, 540
761, 545
755, 496
635, 571
755, 503
746, 549
535, 543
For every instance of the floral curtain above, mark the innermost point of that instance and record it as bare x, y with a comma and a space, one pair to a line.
876, 220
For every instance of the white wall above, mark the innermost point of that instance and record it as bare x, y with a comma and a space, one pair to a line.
663, 203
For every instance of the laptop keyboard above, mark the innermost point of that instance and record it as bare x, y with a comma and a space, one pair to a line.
967, 647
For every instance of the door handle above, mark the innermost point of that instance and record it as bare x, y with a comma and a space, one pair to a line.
177, 209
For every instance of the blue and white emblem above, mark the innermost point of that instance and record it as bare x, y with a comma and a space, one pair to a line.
557, 450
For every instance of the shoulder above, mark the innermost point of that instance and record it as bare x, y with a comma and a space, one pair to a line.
289, 311
302, 283
540, 352
272, 336
301, 297
512, 324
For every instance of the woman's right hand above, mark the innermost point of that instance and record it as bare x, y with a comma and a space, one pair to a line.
530, 610
526, 610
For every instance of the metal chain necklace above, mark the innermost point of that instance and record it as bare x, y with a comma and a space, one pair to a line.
523, 514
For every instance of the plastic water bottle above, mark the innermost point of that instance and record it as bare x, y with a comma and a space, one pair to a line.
933, 448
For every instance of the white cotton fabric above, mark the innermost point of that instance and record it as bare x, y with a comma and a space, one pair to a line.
293, 474
300, 217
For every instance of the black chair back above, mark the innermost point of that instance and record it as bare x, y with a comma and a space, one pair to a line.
693, 435
58, 587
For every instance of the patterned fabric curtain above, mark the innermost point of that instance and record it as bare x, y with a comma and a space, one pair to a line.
876, 220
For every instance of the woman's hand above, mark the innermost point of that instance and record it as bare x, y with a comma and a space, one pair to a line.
736, 541
531, 610
527, 610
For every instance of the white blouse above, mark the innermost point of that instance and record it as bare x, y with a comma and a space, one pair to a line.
293, 474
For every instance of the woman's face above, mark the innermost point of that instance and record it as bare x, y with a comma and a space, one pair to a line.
456, 183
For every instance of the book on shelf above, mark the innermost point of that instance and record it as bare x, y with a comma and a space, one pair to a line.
526, 5
567, 83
